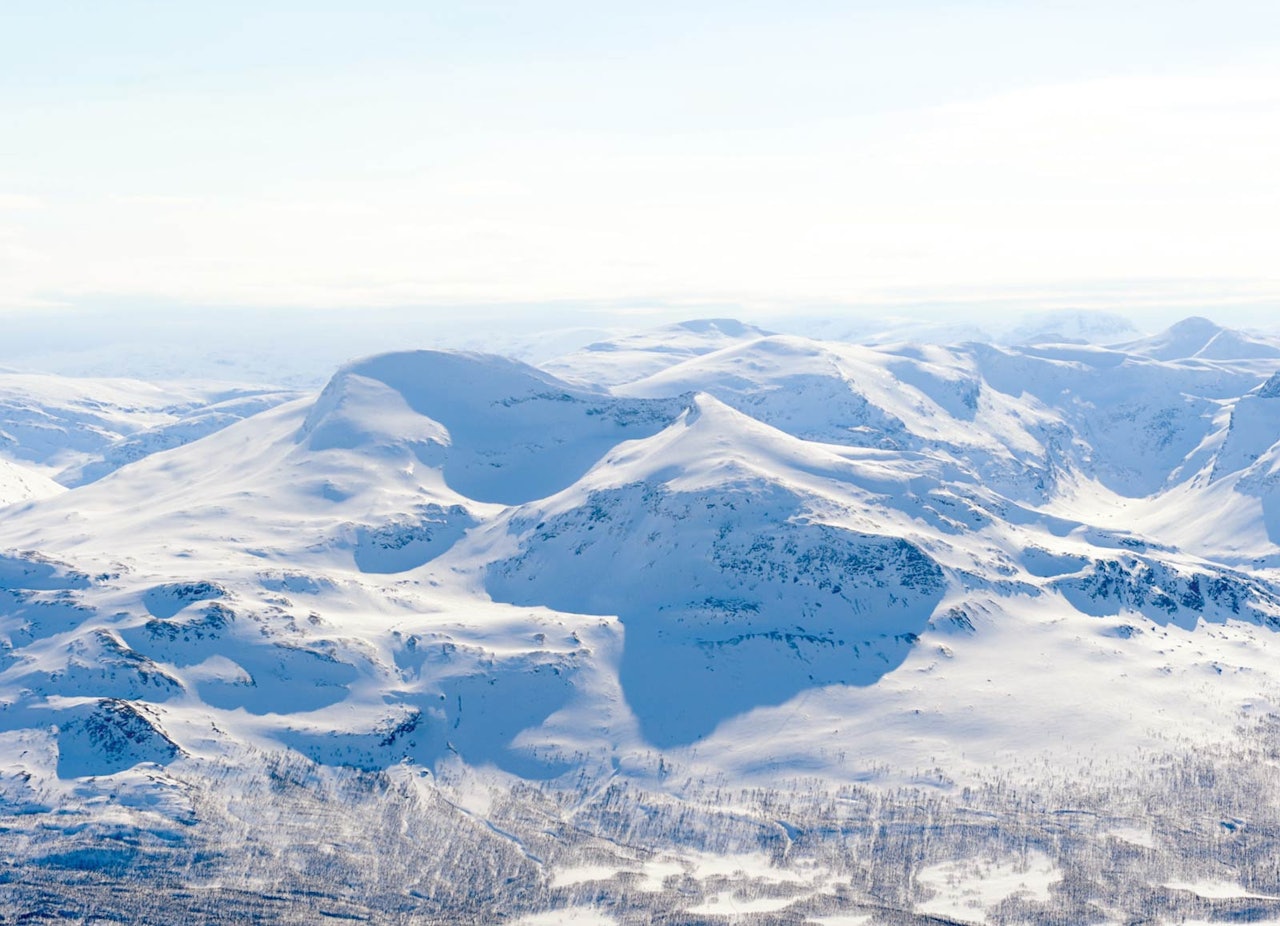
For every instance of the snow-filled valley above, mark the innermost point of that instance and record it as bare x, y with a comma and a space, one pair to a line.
701, 624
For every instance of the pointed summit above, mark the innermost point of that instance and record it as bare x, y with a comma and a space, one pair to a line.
1199, 338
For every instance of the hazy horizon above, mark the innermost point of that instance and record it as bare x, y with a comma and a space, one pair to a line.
755, 158
301, 347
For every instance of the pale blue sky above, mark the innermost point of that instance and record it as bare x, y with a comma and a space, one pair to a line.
760, 154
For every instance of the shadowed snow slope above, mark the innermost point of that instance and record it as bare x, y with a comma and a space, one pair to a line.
708, 541
503, 431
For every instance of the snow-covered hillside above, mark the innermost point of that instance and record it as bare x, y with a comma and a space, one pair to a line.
747, 561
21, 483
76, 430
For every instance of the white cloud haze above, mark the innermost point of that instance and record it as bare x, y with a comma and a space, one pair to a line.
749, 156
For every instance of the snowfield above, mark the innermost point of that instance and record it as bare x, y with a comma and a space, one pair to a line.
706, 623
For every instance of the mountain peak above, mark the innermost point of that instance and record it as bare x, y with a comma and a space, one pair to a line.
1198, 337
729, 327
1195, 326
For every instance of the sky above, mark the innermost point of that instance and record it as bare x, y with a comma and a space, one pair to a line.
662, 157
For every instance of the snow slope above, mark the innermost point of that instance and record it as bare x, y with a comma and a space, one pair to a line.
20, 483
76, 430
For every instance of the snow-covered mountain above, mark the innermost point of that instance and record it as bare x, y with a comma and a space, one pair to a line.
629, 357
76, 430
1071, 326
1201, 339
750, 561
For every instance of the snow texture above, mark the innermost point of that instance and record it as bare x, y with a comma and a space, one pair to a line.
742, 554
